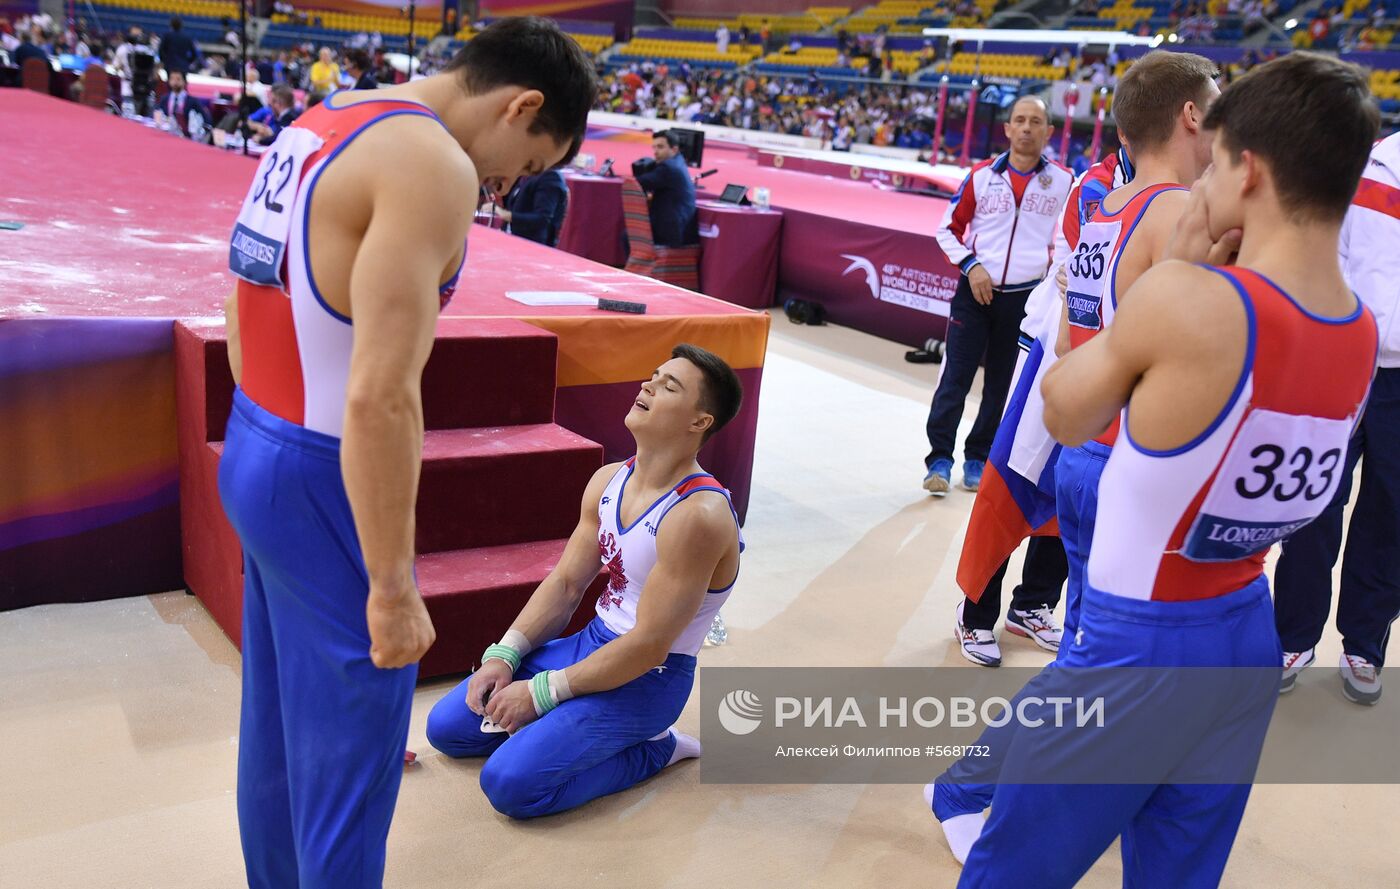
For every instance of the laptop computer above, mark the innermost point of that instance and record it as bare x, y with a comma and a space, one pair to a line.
735, 194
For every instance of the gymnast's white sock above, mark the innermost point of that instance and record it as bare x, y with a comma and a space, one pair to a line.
686, 746
961, 831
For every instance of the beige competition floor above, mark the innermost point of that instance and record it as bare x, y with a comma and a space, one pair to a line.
118, 720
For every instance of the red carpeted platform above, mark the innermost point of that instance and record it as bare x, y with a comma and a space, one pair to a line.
111, 415
498, 495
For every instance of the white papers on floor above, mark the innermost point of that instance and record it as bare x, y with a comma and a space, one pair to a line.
552, 298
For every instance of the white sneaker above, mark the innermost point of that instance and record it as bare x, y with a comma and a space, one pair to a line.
1361, 682
1293, 664
1036, 624
978, 646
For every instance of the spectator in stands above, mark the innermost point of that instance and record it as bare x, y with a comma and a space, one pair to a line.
1254, 16
535, 207
667, 181
1320, 27
744, 35
254, 86
177, 49
188, 113
357, 65
284, 110
1198, 28
231, 34
722, 39
8, 41
843, 135
28, 50
325, 77
1082, 161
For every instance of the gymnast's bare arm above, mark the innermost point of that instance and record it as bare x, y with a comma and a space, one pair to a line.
235, 347
1177, 359
417, 207
556, 599
698, 533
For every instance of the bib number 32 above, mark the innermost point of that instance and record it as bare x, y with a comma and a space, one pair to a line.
264, 224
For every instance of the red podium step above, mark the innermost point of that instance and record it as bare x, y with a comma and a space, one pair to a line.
498, 496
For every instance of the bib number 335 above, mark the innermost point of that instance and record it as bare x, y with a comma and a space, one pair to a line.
1085, 271
1279, 474
264, 223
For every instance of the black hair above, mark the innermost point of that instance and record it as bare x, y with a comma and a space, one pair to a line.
722, 393
1317, 168
671, 139
359, 58
175, 23
533, 53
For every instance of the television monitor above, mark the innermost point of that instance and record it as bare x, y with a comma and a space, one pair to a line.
692, 145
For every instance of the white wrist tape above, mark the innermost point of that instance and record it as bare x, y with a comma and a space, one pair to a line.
516, 639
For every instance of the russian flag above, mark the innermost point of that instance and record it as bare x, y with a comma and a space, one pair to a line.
1017, 496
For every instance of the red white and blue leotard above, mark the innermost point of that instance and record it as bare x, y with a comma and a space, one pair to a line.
296, 348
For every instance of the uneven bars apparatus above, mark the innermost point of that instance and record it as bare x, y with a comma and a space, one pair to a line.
983, 35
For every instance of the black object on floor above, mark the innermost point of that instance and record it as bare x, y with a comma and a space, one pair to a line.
931, 353
801, 311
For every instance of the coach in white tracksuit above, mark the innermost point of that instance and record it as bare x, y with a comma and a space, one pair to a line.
999, 230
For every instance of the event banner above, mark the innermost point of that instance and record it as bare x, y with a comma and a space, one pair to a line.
890, 283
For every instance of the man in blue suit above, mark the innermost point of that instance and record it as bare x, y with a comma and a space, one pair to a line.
673, 219
180, 106
178, 51
535, 208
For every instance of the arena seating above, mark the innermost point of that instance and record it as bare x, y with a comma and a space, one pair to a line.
790, 23
906, 62
912, 16
594, 37
204, 21
687, 51
1386, 87
1024, 67
691, 39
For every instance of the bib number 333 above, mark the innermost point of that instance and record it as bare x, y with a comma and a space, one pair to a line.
1279, 474
264, 223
